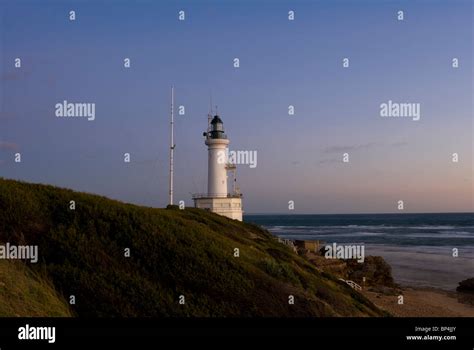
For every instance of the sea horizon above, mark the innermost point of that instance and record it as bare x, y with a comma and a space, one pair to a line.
368, 213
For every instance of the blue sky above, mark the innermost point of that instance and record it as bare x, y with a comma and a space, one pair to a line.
281, 63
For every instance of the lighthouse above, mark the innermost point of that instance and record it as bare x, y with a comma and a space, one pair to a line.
218, 198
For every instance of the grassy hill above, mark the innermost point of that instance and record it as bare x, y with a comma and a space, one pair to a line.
172, 253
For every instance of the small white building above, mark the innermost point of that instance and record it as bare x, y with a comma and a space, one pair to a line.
218, 199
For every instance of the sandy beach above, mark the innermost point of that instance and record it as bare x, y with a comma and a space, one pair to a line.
425, 302
417, 301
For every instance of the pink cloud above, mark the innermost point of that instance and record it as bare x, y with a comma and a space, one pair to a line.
8, 146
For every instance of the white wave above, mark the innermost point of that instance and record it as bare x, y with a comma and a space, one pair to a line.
432, 227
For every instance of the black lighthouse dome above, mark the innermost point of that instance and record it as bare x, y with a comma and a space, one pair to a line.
217, 128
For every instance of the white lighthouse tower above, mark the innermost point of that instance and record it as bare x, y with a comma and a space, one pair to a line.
218, 199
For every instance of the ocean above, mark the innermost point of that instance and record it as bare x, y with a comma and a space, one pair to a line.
419, 247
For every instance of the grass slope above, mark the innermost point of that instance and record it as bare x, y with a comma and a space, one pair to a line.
24, 293
173, 252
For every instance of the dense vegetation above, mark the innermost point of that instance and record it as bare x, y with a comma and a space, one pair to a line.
172, 253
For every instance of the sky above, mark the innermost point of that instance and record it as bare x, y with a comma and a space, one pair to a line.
282, 63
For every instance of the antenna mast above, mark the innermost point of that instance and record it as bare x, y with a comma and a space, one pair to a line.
172, 145
209, 115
